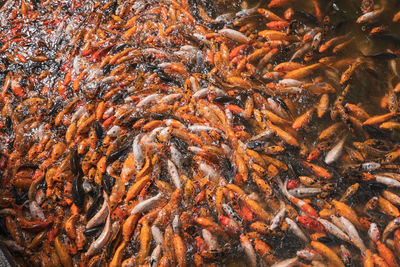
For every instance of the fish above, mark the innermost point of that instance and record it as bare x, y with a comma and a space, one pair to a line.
296, 229
335, 152
146, 204
278, 217
353, 234
101, 240
189, 135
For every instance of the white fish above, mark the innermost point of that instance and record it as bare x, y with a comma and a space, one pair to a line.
152, 50
78, 113
157, 235
229, 117
225, 18
94, 73
101, 215
387, 181
276, 107
151, 137
87, 187
175, 224
108, 112
334, 230
155, 255
209, 171
268, 133
308, 254
148, 100
229, 211
194, 84
392, 175
335, 152
36, 210
201, 93
338, 223
209, 239
137, 152
290, 83
393, 66
188, 48
373, 232
234, 35
247, 12
176, 156
217, 91
41, 131
170, 98
304, 191
173, 172
146, 204
296, 229
102, 240
165, 133
370, 16
371, 166
316, 40
40, 196
195, 149
301, 51
200, 37
249, 250
114, 131
353, 234
276, 221
202, 128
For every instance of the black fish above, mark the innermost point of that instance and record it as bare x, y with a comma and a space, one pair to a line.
75, 162
78, 194
383, 55
107, 182
387, 38
117, 154
283, 104
3, 228
302, 15
92, 209
228, 170
20, 198
327, 240
92, 231
98, 129
256, 145
226, 99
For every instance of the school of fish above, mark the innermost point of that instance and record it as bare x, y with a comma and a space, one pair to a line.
169, 133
